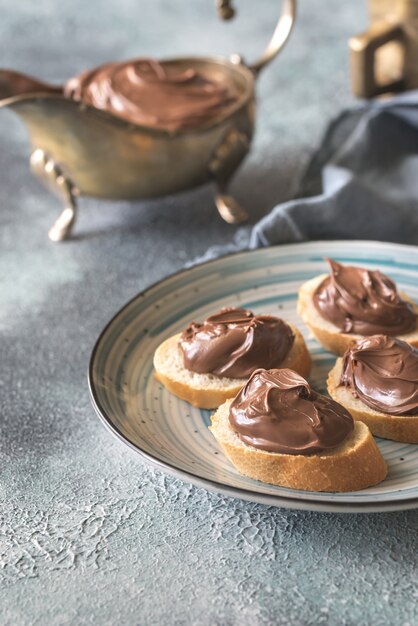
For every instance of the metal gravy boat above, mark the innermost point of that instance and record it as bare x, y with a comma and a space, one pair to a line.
81, 150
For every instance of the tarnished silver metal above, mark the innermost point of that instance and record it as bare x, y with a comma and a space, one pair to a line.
225, 9
222, 167
384, 58
78, 149
280, 35
53, 178
229, 208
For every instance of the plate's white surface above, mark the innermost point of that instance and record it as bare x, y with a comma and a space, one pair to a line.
173, 435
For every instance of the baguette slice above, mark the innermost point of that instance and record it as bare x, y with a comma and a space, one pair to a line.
208, 391
355, 464
329, 335
397, 427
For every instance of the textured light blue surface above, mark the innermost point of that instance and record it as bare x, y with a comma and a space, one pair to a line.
88, 534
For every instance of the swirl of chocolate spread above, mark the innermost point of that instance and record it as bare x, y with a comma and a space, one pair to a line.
278, 411
146, 92
363, 302
234, 342
383, 372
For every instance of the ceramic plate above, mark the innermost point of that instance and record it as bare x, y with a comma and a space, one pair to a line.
172, 435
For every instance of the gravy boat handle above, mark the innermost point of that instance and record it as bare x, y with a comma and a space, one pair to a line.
281, 33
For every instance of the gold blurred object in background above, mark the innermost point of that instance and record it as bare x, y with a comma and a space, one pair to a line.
81, 150
384, 59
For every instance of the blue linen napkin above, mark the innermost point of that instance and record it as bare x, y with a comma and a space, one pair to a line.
368, 166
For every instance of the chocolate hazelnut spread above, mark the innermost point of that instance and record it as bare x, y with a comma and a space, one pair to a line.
278, 411
144, 91
382, 372
234, 342
363, 302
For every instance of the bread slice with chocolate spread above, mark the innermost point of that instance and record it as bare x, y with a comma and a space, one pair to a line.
327, 333
208, 391
355, 464
396, 427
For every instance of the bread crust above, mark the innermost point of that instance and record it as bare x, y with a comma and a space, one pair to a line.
198, 390
329, 335
396, 427
356, 464
199, 397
